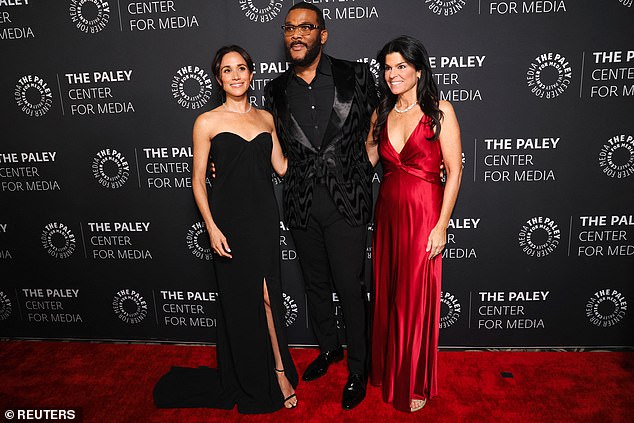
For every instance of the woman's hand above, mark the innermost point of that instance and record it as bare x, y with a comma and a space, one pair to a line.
219, 243
436, 241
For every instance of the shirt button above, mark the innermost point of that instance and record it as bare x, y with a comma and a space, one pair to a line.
310, 88
312, 107
316, 127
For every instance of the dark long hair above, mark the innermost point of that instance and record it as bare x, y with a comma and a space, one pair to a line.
414, 53
215, 64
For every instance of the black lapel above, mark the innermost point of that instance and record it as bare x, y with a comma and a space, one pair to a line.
343, 76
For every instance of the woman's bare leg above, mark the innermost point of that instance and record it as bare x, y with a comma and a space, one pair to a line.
285, 385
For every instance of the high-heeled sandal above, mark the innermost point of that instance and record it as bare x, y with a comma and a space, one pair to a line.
288, 397
420, 403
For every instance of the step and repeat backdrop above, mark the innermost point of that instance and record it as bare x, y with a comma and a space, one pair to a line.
100, 238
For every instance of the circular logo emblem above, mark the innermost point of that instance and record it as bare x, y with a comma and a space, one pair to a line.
261, 10
198, 241
5, 306
449, 311
58, 240
110, 168
129, 306
539, 236
606, 308
375, 69
290, 305
33, 95
374, 66
191, 87
549, 75
616, 157
445, 7
89, 16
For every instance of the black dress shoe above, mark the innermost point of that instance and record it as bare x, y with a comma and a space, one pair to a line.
319, 366
353, 392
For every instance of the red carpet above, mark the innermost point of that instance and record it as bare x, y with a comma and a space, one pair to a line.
113, 383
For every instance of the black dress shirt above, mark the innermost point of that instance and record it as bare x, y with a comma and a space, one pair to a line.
311, 104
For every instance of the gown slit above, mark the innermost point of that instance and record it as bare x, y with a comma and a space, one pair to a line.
244, 207
275, 347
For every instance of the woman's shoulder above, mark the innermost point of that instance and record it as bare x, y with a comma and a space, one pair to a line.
266, 116
445, 106
448, 112
263, 113
209, 118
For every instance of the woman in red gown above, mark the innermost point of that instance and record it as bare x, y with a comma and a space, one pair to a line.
413, 133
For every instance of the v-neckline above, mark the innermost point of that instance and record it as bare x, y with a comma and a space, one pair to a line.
387, 132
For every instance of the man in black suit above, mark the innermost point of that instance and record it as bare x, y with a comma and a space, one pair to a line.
322, 108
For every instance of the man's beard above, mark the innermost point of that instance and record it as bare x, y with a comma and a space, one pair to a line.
311, 54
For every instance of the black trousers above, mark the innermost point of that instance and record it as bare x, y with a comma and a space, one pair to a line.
330, 247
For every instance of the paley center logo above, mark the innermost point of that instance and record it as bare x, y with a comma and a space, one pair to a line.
374, 66
539, 236
89, 16
58, 240
453, 310
110, 168
191, 87
261, 11
198, 241
33, 95
290, 306
5, 306
606, 308
129, 306
445, 7
616, 157
549, 75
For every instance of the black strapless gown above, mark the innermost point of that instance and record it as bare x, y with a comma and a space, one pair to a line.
243, 206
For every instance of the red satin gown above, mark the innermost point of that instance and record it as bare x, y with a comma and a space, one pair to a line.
407, 284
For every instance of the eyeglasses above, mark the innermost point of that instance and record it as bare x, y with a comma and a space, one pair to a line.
303, 29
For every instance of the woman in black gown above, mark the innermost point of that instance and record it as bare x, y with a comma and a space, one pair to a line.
255, 369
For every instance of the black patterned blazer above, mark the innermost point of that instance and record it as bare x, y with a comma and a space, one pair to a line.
342, 160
